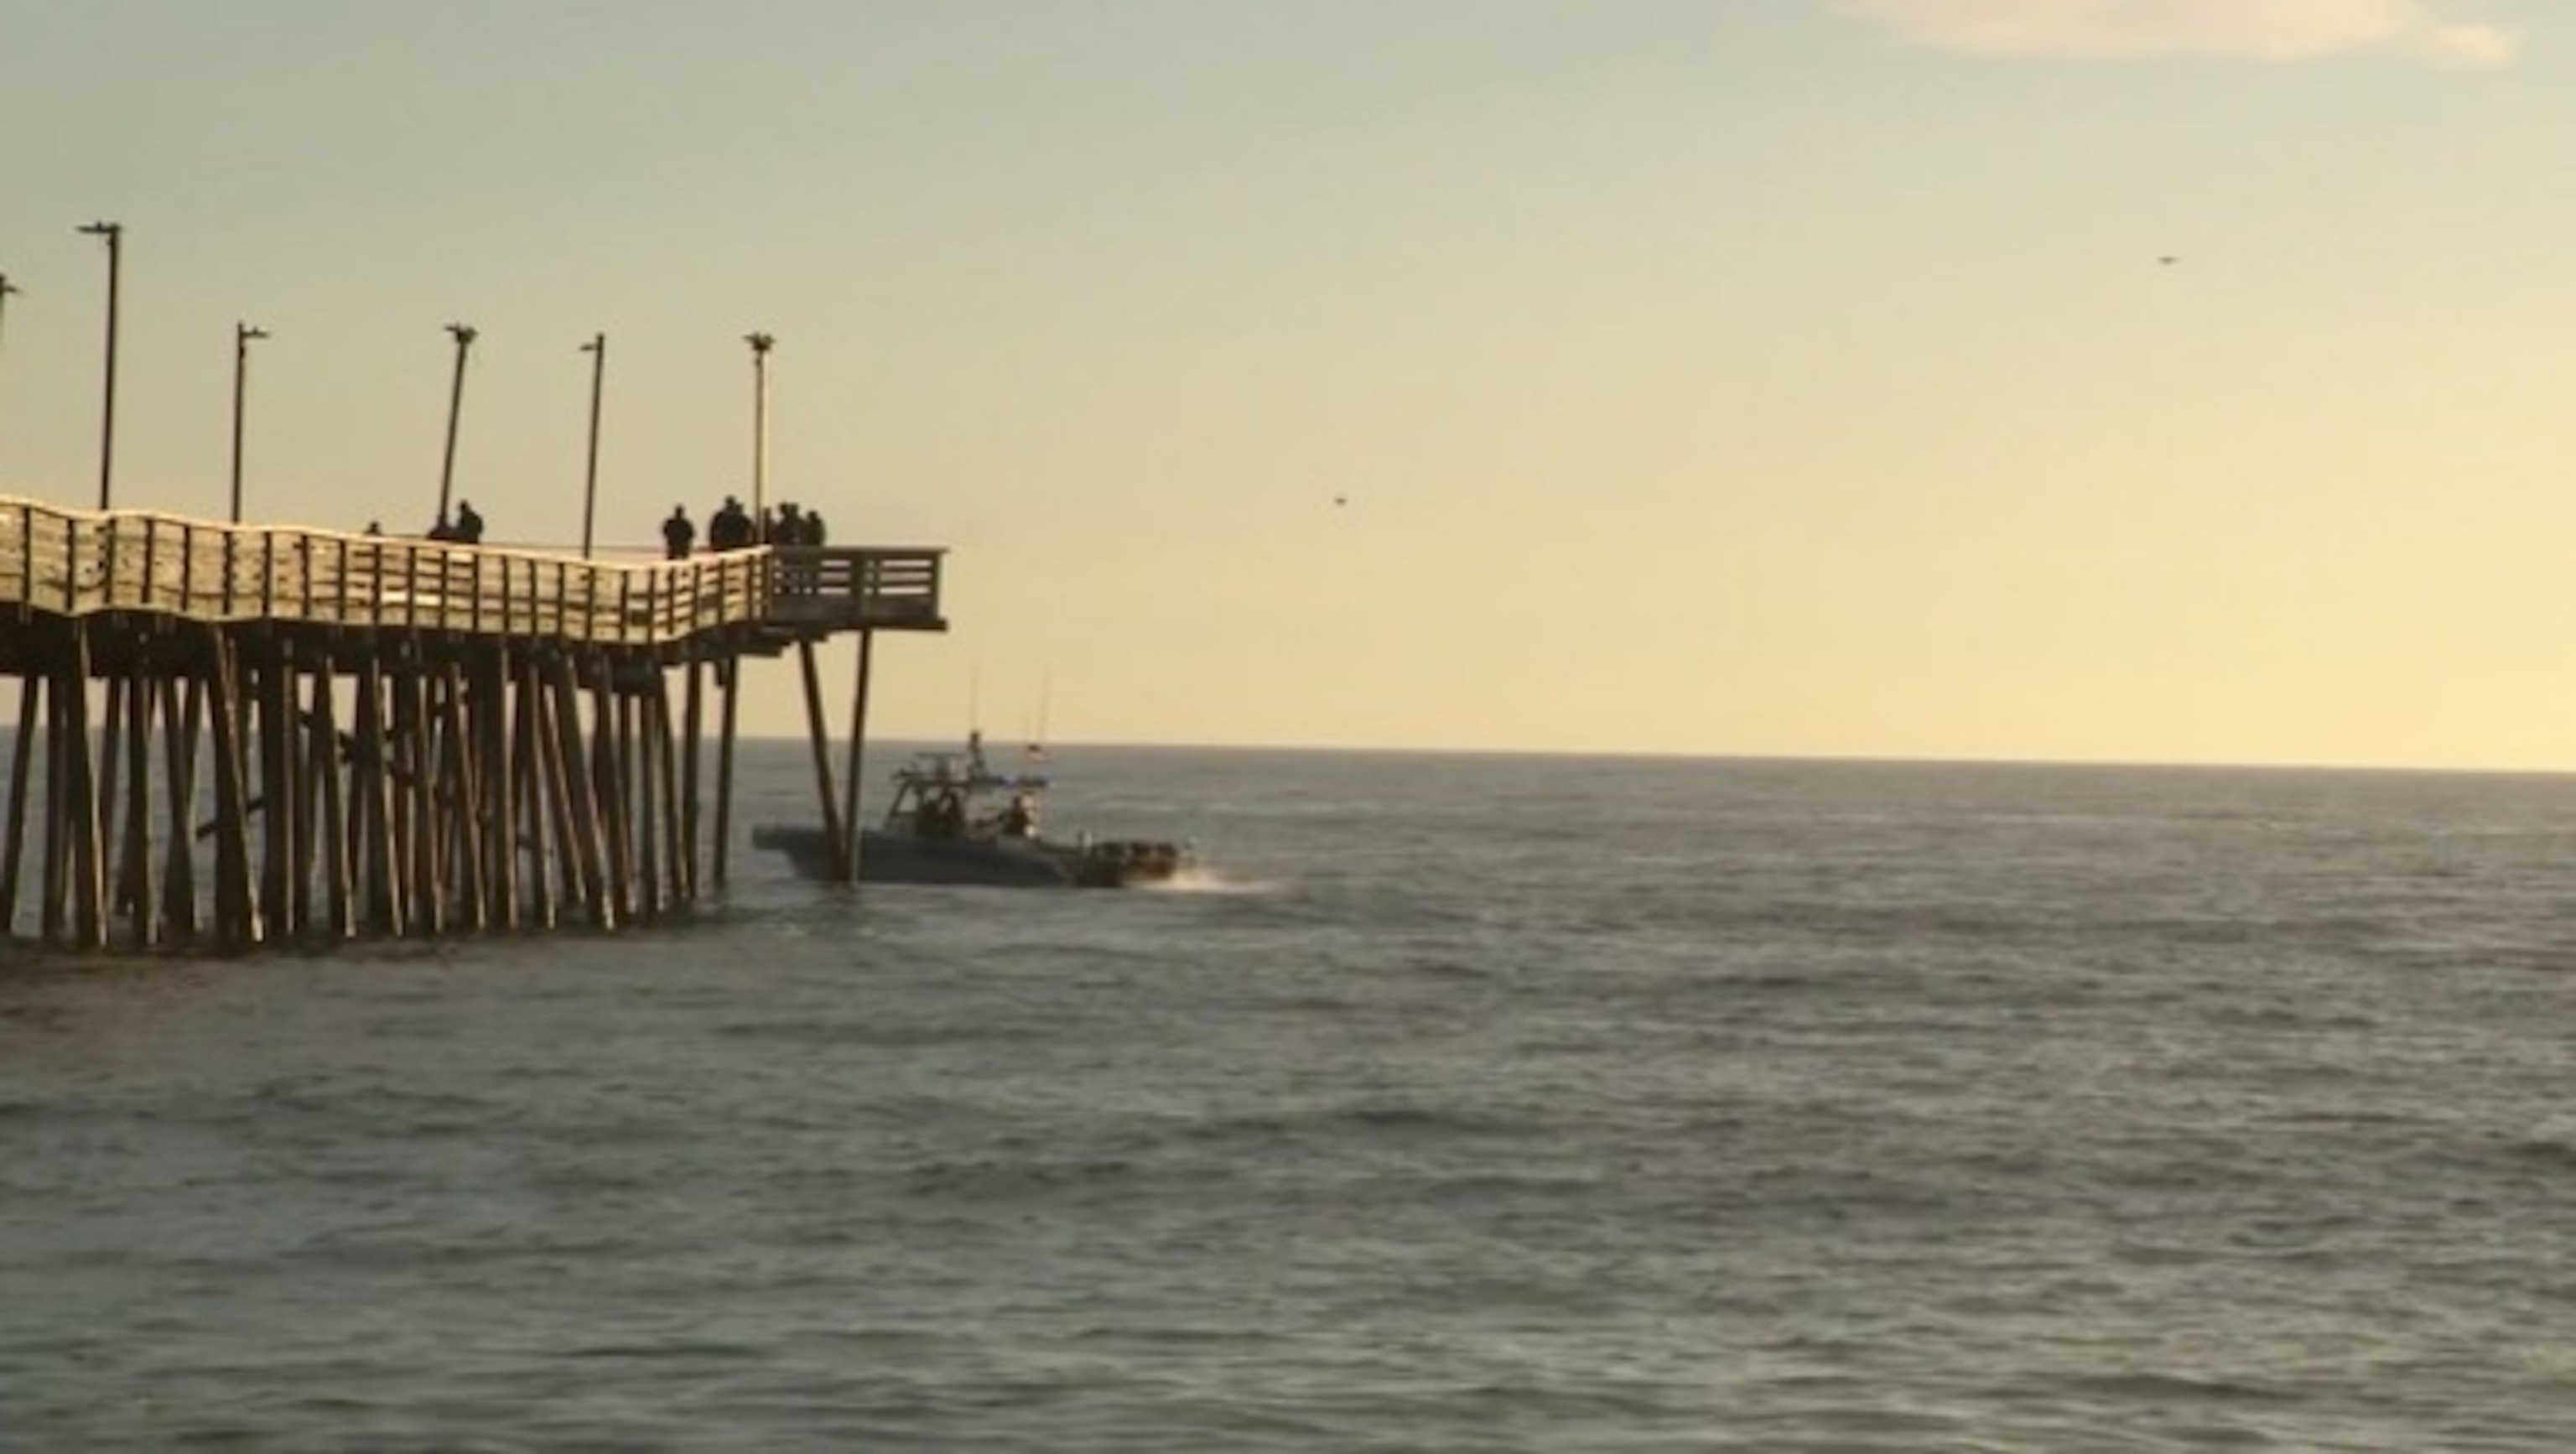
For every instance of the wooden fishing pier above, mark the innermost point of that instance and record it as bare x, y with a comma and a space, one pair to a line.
231, 737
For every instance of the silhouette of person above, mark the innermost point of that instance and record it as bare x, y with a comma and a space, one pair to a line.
469, 524
678, 534
730, 527
789, 529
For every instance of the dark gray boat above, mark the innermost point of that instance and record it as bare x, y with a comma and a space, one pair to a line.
954, 820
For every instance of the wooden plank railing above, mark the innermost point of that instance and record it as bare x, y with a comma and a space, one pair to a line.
831, 585
78, 562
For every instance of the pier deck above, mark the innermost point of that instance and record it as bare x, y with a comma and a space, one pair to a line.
254, 735
69, 563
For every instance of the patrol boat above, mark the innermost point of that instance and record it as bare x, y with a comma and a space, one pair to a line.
954, 819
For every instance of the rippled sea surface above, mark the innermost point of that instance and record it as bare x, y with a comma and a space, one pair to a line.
1474, 1103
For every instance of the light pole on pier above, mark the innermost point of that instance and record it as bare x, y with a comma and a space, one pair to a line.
114, 234
6, 288
243, 333
464, 336
597, 348
760, 343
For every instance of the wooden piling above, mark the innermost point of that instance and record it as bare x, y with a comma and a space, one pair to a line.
858, 743
693, 719
729, 682
89, 835
134, 883
374, 819
184, 709
21, 758
237, 921
58, 808
820, 737
339, 891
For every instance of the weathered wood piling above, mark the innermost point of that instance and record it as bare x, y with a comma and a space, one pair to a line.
233, 737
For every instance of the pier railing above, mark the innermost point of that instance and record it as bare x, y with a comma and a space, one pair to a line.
78, 562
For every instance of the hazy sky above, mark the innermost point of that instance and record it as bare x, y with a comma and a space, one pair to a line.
1743, 376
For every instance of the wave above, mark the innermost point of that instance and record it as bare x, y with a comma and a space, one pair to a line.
1340, 1125
2551, 1143
994, 1179
1203, 880
875, 1035
2185, 1387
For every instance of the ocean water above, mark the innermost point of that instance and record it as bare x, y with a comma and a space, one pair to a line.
1468, 1103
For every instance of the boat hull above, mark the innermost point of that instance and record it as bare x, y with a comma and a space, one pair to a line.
890, 857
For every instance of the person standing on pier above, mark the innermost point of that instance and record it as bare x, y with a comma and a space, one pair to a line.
730, 527
789, 529
678, 534
469, 524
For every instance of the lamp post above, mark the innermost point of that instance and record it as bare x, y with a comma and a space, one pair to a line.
114, 234
464, 336
243, 333
760, 343
6, 288
597, 348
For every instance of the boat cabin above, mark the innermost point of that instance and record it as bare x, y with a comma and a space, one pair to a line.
950, 795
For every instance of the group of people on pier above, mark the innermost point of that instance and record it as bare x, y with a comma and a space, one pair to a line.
733, 528
465, 529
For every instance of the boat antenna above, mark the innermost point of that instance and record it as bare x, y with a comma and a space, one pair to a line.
1046, 690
